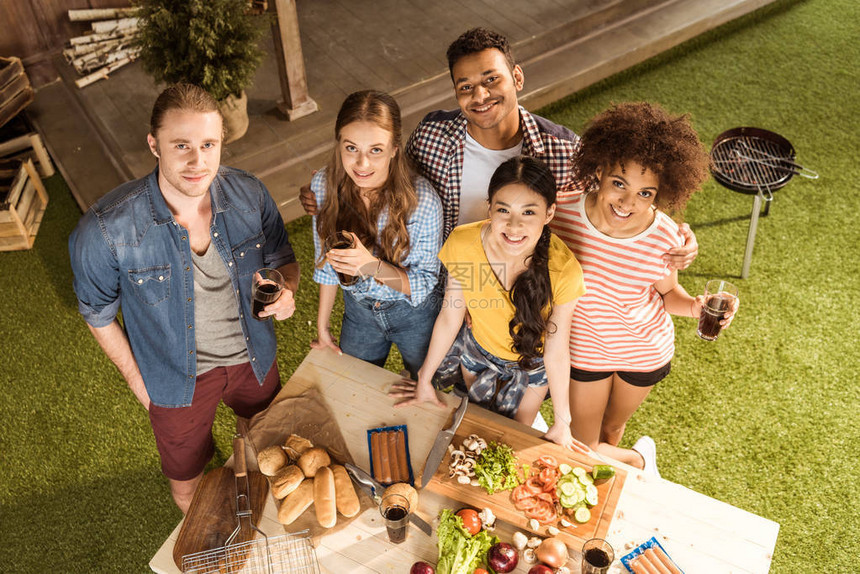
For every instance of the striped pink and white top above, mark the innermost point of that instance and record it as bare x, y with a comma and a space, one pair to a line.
620, 324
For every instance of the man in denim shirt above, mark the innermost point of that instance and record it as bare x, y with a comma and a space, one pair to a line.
176, 251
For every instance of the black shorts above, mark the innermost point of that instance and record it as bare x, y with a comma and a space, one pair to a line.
637, 379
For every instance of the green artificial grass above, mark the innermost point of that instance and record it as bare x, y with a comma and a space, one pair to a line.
760, 419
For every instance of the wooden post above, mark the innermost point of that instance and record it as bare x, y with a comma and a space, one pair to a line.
291, 64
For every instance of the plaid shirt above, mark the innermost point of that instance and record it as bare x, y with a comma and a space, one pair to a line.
421, 265
438, 143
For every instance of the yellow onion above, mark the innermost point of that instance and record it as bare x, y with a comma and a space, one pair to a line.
552, 552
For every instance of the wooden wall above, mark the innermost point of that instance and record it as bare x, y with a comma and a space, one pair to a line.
34, 30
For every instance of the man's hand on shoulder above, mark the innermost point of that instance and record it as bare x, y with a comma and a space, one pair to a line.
679, 258
308, 199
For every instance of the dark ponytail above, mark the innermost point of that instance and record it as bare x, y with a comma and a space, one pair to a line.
531, 293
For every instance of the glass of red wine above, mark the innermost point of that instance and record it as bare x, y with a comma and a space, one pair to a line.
720, 298
597, 556
267, 287
395, 510
341, 240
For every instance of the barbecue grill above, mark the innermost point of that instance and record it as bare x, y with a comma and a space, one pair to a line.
756, 162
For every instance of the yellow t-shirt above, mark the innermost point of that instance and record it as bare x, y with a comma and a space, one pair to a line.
487, 300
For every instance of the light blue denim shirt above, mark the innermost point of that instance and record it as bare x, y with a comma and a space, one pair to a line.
421, 265
128, 252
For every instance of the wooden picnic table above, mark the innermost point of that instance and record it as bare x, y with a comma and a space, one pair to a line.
702, 534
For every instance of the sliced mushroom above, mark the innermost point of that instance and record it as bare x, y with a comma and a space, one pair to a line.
530, 555
463, 479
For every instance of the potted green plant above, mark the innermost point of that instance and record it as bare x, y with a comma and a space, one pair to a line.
210, 43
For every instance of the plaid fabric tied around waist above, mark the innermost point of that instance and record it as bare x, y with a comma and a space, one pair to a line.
499, 387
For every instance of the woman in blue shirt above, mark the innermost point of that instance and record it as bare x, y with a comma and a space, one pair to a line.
394, 219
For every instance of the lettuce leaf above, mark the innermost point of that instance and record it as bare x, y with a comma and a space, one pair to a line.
459, 552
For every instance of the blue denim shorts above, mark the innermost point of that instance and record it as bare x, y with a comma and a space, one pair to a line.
370, 326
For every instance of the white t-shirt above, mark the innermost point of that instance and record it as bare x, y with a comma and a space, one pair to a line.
479, 163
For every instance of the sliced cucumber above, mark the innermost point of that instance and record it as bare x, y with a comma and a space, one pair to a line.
591, 495
582, 515
568, 488
579, 471
586, 480
564, 468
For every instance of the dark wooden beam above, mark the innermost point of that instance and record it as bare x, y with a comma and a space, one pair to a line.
297, 102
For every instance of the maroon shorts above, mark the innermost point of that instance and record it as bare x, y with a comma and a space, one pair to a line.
184, 435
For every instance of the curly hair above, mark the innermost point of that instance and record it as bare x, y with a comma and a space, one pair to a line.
343, 207
531, 292
646, 134
477, 40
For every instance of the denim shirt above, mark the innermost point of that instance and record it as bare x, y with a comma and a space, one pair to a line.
128, 252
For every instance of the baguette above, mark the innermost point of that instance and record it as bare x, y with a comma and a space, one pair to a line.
345, 499
312, 460
286, 481
324, 497
296, 502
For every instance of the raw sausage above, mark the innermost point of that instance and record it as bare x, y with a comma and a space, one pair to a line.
661, 560
401, 456
396, 471
375, 454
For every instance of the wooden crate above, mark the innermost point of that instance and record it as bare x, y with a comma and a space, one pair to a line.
15, 90
28, 146
22, 205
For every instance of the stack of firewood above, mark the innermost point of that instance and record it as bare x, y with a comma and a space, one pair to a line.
107, 47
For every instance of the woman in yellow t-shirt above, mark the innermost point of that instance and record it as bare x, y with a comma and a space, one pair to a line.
519, 283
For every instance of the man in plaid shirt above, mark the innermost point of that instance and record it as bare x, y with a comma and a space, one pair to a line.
458, 150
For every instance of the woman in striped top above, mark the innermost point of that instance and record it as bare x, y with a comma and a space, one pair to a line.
638, 160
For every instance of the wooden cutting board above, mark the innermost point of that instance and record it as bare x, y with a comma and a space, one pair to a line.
211, 517
528, 449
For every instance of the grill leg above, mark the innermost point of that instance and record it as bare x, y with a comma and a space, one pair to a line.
751, 236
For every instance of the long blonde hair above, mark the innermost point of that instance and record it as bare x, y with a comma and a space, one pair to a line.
343, 208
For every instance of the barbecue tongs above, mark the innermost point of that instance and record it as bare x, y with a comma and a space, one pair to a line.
374, 490
243, 489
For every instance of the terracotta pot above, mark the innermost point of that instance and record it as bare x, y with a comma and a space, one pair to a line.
235, 112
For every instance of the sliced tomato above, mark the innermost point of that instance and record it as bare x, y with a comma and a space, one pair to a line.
526, 503
534, 485
548, 475
548, 461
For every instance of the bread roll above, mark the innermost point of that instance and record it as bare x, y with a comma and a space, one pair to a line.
324, 497
296, 502
286, 481
271, 460
404, 489
296, 446
312, 460
346, 499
